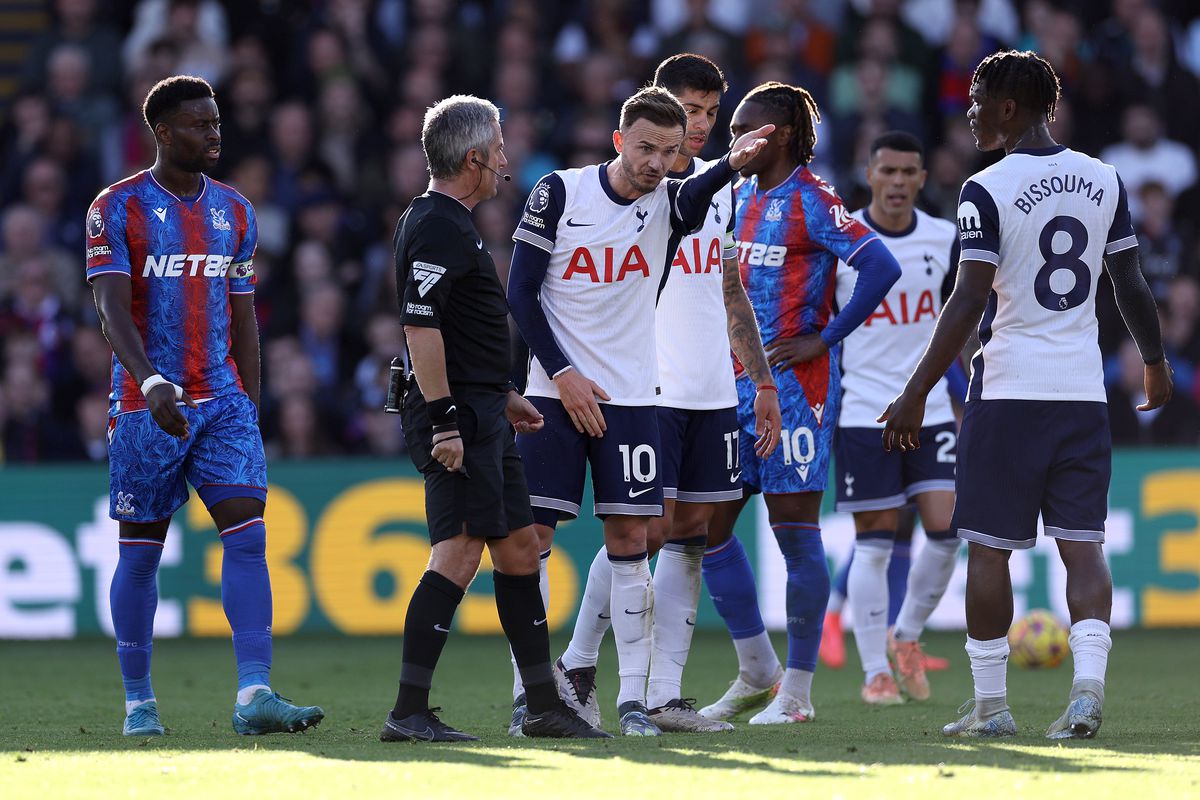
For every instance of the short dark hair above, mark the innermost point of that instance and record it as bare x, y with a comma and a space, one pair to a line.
901, 141
690, 71
653, 104
793, 106
1022, 75
167, 94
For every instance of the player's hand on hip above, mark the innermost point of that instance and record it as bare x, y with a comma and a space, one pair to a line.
579, 395
748, 145
162, 401
768, 422
904, 417
448, 450
792, 350
1159, 383
523, 415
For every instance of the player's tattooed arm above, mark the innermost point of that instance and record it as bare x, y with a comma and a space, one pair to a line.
113, 294
746, 342
962, 312
244, 345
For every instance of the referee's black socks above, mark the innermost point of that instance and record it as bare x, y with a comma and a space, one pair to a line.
426, 626
523, 617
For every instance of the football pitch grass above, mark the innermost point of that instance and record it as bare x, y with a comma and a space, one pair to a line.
61, 713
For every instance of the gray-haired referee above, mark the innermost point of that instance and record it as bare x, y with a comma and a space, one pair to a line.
458, 421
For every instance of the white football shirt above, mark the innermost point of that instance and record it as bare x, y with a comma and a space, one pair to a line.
879, 355
694, 367
607, 259
1046, 218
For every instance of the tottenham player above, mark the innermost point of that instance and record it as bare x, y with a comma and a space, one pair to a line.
873, 485
791, 230
1035, 229
170, 258
590, 257
703, 311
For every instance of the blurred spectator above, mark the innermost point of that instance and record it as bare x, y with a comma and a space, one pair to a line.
1144, 155
1159, 245
195, 29
1175, 423
1153, 75
76, 24
31, 433
23, 238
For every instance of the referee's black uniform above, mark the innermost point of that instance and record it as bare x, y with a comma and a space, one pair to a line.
446, 279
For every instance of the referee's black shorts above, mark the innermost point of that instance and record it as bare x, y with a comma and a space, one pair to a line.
490, 496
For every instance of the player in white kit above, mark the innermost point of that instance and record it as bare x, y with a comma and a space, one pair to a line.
588, 264
877, 358
1035, 229
702, 312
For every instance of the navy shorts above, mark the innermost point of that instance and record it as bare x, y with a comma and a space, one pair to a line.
872, 479
1019, 458
626, 478
701, 462
148, 469
489, 495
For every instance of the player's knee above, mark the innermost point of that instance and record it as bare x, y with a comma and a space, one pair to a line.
625, 536
656, 534
457, 559
516, 554
875, 521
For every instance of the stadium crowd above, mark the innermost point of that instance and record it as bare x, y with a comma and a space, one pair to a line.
322, 102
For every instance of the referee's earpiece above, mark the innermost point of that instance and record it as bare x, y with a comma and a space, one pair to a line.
489, 169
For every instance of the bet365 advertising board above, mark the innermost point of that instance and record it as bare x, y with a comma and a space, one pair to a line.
347, 544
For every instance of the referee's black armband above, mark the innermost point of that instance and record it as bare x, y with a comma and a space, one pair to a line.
443, 414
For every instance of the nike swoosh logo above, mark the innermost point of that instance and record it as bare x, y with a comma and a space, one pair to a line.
875, 613
243, 719
734, 478
479, 243
425, 735
633, 494
573, 224
604, 616
690, 622
636, 613
440, 629
541, 621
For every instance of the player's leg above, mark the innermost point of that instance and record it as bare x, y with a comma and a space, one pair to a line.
228, 467
708, 473
929, 480
142, 499
554, 462
869, 600
832, 652
1074, 511
995, 517
731, 586
900, 563
795, 520
871, 488
628, 489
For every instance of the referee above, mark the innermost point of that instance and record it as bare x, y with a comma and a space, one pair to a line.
458, 422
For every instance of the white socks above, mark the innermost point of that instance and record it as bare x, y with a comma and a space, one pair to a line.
130, 705
676, 595
989, 666
1090, 642
797, 683
593, 619
632, 606
758, 665
246, 694
927, 583
868, 592
544, 585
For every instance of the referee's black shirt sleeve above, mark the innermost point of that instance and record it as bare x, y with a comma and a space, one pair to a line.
436, 260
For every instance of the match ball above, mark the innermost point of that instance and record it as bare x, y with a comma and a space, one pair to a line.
1038, 640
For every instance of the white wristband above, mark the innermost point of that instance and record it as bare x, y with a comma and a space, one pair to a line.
155, 380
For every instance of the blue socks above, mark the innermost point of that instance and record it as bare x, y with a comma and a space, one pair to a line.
807, 590
731, 586
246, 597
841, 584
897, 578
133, 598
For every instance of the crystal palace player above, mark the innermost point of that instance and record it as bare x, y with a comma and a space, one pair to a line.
791, 230
1035, 229
876, 360
589, 261
170, 258
702, 312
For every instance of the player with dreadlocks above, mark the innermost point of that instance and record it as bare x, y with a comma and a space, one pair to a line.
791, 230
1035, 229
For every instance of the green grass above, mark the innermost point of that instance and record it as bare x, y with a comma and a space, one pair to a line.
61, 713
